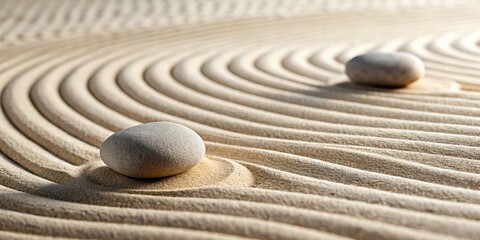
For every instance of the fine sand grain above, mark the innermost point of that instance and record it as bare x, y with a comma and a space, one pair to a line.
293, 150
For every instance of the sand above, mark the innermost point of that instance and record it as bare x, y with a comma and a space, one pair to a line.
294, 151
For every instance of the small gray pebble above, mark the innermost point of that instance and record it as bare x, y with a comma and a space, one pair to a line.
152, 150
385, 69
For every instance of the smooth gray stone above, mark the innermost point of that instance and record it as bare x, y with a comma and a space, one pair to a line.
152, 150
385, 69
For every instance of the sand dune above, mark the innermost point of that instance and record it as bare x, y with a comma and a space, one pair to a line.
294, 151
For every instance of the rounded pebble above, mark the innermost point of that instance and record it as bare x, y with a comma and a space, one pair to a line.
151, 150
385, 69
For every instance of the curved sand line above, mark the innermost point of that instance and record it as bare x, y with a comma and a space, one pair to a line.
292, 148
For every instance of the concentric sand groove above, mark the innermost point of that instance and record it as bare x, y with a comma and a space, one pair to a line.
293, 149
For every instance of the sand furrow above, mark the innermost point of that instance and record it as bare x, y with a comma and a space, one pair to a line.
293, 149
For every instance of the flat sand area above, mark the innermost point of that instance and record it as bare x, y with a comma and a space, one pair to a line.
293, 149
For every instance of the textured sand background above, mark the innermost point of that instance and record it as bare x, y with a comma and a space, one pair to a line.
293, 150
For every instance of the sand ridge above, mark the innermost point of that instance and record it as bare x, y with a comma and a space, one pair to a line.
292, 148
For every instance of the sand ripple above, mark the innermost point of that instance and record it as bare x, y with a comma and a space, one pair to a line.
293, 149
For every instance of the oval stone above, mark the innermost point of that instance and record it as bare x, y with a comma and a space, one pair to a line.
152, 150
385, 69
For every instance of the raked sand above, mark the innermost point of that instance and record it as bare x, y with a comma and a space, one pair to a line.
294, 151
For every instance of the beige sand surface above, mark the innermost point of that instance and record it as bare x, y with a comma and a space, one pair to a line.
294, 151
